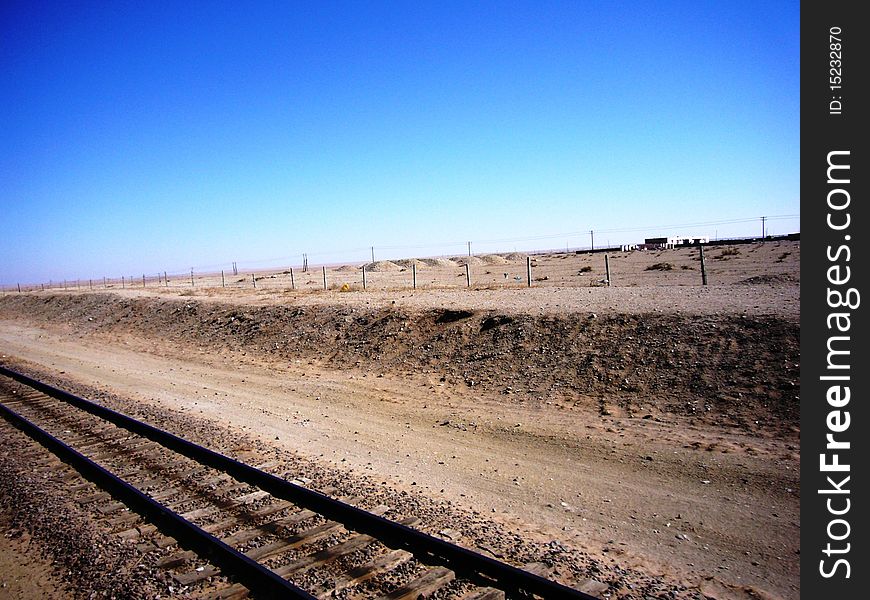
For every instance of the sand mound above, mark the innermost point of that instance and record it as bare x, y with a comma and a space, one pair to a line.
494, 259
514, 256
379, 266
407, 263
347, 268
469, 260
439, 262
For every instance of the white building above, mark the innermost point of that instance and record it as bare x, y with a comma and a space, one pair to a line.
675, 241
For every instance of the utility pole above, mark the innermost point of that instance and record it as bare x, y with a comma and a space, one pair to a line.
469, 248
373, 254
592, 236
763, 219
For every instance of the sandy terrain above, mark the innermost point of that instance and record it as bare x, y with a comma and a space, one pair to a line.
24, 574
673, 449
736, 264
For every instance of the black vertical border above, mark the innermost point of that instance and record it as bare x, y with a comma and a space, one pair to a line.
821, 133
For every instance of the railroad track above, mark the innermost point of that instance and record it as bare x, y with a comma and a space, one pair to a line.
230, 530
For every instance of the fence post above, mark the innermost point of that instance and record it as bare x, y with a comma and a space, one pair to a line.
324, 277
191, 277
529, 270
19, 288
364, 273
292, 280
607, 268
703, 266
143, 280
467, 276
414, 275
223, 281
254, 280
165, 279
90, 284
123, 282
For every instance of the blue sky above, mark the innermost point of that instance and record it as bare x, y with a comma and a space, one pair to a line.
143, 137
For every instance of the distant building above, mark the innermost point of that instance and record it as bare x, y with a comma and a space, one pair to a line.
673, 242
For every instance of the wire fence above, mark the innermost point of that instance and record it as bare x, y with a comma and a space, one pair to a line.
720, 263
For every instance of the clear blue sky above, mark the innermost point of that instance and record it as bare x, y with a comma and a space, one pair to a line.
152, 136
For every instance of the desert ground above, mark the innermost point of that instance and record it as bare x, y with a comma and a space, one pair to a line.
648, 431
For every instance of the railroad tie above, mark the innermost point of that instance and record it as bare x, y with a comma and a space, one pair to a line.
538, 568
430, 581
108, 508
349, 546
268, 550
99, 496
179, 558
198, 513
484, 594
122, 521
306, 537
380, 564
356, 542
263, 552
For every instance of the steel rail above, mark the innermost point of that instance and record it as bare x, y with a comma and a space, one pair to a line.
424, 547
262, 581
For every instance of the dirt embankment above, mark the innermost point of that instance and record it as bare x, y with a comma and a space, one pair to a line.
728, 370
